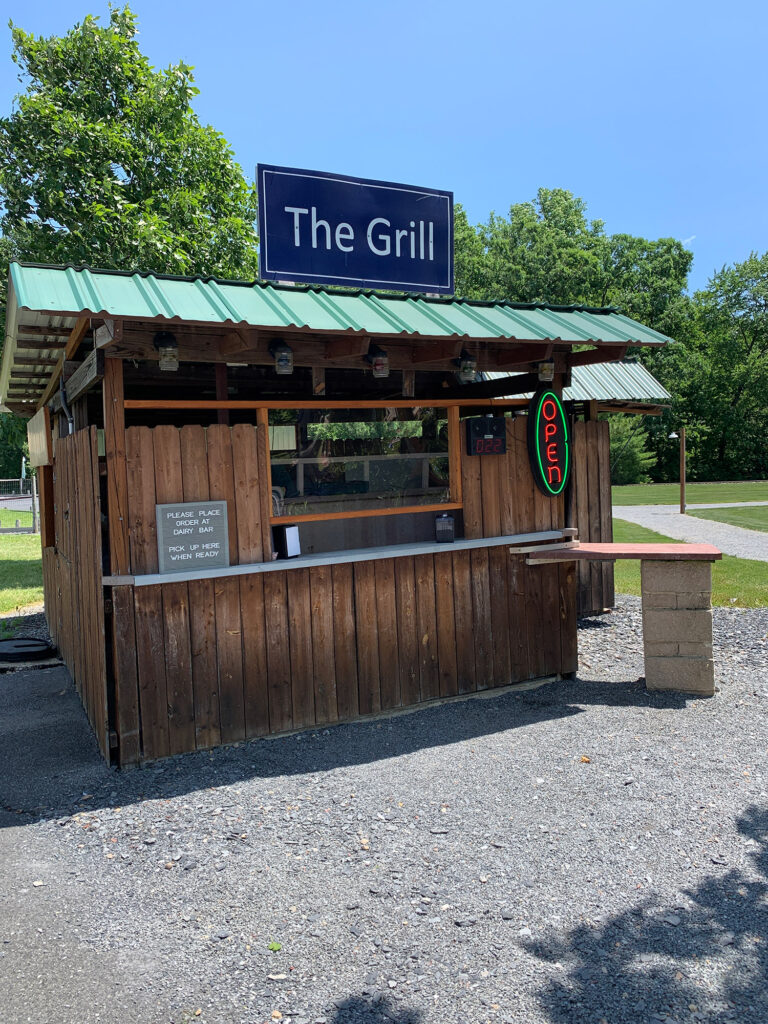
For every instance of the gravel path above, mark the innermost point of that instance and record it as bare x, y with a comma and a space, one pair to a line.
732, 540
579, 853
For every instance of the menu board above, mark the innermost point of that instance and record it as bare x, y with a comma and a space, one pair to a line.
192, 535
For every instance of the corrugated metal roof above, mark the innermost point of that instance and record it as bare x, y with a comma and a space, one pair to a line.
608, 382
41, 297
149, 296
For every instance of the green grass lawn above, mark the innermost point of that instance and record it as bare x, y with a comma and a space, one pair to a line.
21, 571
736, 582
753, 517
695, 494
8, 517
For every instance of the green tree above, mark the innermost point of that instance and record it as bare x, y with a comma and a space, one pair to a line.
548, 250
630, 459
104, 161
724, 384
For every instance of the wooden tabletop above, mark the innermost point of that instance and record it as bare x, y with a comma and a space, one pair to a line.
646, 552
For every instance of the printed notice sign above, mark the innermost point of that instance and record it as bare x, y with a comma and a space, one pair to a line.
192, 535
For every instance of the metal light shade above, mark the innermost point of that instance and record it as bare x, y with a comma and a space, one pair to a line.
283, 356
379, 361
168, 351
467, 365
547, 370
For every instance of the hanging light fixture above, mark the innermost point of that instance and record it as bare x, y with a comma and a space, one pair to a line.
168, 350
283, 356
379, 361
547, 370
467, 367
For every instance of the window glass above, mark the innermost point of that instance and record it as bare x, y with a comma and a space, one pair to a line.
326, 461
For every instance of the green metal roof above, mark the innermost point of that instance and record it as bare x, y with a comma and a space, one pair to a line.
609, 382
47, 298
146, 296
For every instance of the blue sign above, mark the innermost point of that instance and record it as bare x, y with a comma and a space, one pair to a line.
331, 229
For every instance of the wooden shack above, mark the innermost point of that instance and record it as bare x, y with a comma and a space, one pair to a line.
324, 423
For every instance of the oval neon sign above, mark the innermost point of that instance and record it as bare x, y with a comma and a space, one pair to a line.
549, 447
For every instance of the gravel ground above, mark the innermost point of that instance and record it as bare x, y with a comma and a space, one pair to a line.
583, 852
733, 540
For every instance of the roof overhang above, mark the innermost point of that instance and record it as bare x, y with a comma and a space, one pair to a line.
45, 304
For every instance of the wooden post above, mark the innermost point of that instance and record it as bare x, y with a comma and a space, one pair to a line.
117, 477
454, 453
34, 504
682, 471
318, 381
47, 515
221, 392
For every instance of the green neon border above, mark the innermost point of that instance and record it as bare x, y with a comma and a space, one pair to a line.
542, 398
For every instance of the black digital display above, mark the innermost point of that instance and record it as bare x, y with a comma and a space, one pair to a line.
486, 435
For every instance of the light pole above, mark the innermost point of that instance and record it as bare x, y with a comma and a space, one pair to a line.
672, 436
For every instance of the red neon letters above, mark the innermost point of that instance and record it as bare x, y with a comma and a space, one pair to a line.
548, 444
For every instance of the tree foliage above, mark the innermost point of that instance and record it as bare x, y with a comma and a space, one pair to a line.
630, 458
548, 250
104, 161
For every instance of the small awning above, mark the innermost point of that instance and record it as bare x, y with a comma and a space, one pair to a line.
613, 385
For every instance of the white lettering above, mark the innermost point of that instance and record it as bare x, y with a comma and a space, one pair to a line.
347, 236
205, 529
297, 212
381, 238
413, 241
398, 235
320, 224
421, 239
185, 529
431, 241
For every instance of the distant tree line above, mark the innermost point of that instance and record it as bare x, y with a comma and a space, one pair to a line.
103, 161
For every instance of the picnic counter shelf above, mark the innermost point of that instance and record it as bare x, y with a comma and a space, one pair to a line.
188, 432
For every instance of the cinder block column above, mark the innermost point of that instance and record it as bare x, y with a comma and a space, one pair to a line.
677, 626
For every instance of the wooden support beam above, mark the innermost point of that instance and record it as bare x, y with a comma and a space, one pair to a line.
77, 335
81, 377
343, 348
35, 362
604, 354
500, 388
107, 333
117, 474
318, 381
39, 330
521, 355
409, 383
27, 345
437, 352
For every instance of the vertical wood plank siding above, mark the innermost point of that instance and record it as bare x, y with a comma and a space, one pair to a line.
72, 576
206, 662
591, 482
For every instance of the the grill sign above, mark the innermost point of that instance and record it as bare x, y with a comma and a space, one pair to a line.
548, 442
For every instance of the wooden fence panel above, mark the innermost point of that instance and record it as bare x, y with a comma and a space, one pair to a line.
73, 576
220, 660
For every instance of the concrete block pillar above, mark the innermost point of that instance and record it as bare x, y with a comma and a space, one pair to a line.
677, 626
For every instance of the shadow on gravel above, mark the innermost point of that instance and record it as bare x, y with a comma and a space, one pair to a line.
50, 766
644, 965
362, 1010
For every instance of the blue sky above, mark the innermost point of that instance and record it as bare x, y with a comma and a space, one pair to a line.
654, 113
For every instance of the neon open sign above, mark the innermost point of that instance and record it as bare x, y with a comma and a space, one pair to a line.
549, 447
